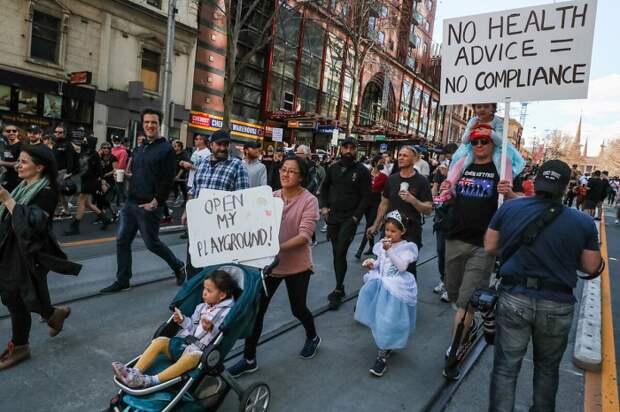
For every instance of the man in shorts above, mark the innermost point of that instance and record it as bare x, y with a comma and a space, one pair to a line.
595, 187
467, 266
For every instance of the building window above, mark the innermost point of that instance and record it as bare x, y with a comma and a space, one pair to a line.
331, 76
381, 37
27, 102
405, 107
154, 3
45, 37
384, 11
150, 70
311, 60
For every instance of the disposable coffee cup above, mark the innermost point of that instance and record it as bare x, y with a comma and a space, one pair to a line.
404, 186
120, 175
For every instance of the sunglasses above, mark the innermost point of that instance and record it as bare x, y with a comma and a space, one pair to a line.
480, 142
11, 130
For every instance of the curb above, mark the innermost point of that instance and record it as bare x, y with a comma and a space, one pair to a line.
587, 353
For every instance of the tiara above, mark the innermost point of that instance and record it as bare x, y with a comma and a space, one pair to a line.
395, 214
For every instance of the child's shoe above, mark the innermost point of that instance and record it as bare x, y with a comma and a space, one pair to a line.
121, 371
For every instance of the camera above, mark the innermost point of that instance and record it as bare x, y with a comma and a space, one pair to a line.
485, 301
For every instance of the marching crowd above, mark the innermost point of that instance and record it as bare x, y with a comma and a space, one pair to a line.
460, 187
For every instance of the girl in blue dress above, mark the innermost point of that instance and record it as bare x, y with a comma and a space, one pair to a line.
387, 301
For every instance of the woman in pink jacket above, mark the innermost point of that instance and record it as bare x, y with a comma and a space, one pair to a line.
301, 212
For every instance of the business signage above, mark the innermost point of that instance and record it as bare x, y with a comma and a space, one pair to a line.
212, 123
80, 77
301, 124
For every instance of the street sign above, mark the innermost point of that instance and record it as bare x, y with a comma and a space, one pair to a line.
531, 53
276, 134
383, 147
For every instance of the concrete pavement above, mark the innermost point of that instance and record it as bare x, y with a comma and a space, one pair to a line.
72, 371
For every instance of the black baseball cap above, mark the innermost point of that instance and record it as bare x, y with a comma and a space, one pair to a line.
349, 140
252, 144
220, 136
34, 129
552, 177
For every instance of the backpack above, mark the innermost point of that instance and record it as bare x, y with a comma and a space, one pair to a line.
313, 179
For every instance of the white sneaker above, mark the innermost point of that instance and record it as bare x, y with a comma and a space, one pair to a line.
440, 288
444, 296
324, 228
617, 221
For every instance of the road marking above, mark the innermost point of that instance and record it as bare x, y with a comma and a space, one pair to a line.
612, 258
88, 242
601, 390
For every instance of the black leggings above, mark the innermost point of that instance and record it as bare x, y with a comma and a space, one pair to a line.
20, 316
297, 288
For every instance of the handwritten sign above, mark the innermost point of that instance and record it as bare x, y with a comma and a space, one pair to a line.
236, 226
532, 53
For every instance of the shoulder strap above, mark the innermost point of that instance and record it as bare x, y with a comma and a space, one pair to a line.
533, 229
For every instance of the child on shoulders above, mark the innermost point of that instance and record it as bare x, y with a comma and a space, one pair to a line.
387, 301
196, 333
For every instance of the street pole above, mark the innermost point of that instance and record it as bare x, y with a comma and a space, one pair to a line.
165, 100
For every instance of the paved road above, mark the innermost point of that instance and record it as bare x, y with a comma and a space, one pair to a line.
72, 371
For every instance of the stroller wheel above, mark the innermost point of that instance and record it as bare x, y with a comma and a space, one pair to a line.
255, 398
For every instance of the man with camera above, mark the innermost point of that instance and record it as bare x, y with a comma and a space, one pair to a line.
542, 244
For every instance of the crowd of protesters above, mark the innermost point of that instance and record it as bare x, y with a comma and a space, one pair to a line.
461, 185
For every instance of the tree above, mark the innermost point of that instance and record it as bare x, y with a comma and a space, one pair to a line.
252, 21
360, 21
557, 145
610, 160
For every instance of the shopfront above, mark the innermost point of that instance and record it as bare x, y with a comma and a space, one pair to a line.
240, 132
27, 100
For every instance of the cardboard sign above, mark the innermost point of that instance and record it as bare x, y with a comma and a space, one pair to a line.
531, 53
239, 226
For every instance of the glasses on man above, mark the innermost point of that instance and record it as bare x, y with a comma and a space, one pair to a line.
58, 132
480, 142
11, 130
285, 171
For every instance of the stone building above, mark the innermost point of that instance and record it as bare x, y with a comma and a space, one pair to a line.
115, 50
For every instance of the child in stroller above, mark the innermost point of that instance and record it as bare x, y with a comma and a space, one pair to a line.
195, 334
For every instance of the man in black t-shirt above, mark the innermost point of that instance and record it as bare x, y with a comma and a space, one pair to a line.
408, 192
10, 156
468, 267
595, 191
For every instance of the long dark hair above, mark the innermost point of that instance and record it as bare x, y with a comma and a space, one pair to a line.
225, 283
43, 156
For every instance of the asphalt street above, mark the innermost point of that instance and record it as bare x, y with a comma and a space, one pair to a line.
72, 371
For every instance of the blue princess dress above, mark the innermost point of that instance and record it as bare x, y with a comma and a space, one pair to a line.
387, 301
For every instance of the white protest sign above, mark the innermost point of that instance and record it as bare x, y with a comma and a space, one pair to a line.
233, 226
276, 134
531, 53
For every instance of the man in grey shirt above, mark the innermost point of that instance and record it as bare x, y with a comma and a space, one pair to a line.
256, 170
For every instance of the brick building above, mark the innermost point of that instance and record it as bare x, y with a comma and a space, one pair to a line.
301, 82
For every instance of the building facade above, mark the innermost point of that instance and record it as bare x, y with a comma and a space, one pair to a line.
114, 49
302, 82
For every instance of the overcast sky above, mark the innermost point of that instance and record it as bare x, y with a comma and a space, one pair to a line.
601, 110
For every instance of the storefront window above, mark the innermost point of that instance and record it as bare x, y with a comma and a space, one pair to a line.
424, 113
432, 123
78, 110
5, 97
52, 106
415, 110
27, 102
405, 108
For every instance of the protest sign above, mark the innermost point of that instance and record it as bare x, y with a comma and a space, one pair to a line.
531, 53
277, 133
236, 226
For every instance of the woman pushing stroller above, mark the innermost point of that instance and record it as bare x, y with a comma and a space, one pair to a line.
218, 295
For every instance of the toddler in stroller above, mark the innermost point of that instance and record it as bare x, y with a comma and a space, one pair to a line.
196, 333
206, 385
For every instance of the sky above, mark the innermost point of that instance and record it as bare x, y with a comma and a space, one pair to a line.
601, 110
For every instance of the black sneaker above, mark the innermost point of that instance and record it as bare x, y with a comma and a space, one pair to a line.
242, 367
335, 299
311, 347
379, 367
114, 288
452, 374
180, 275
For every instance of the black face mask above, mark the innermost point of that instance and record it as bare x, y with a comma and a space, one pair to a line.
348, 158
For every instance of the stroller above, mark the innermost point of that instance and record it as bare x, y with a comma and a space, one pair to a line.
205, 387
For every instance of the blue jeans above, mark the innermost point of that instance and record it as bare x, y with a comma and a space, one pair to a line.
134, 218
548, 323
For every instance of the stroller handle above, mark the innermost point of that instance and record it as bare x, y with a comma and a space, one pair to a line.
269, 268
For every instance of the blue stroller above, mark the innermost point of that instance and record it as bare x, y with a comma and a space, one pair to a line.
205, 387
